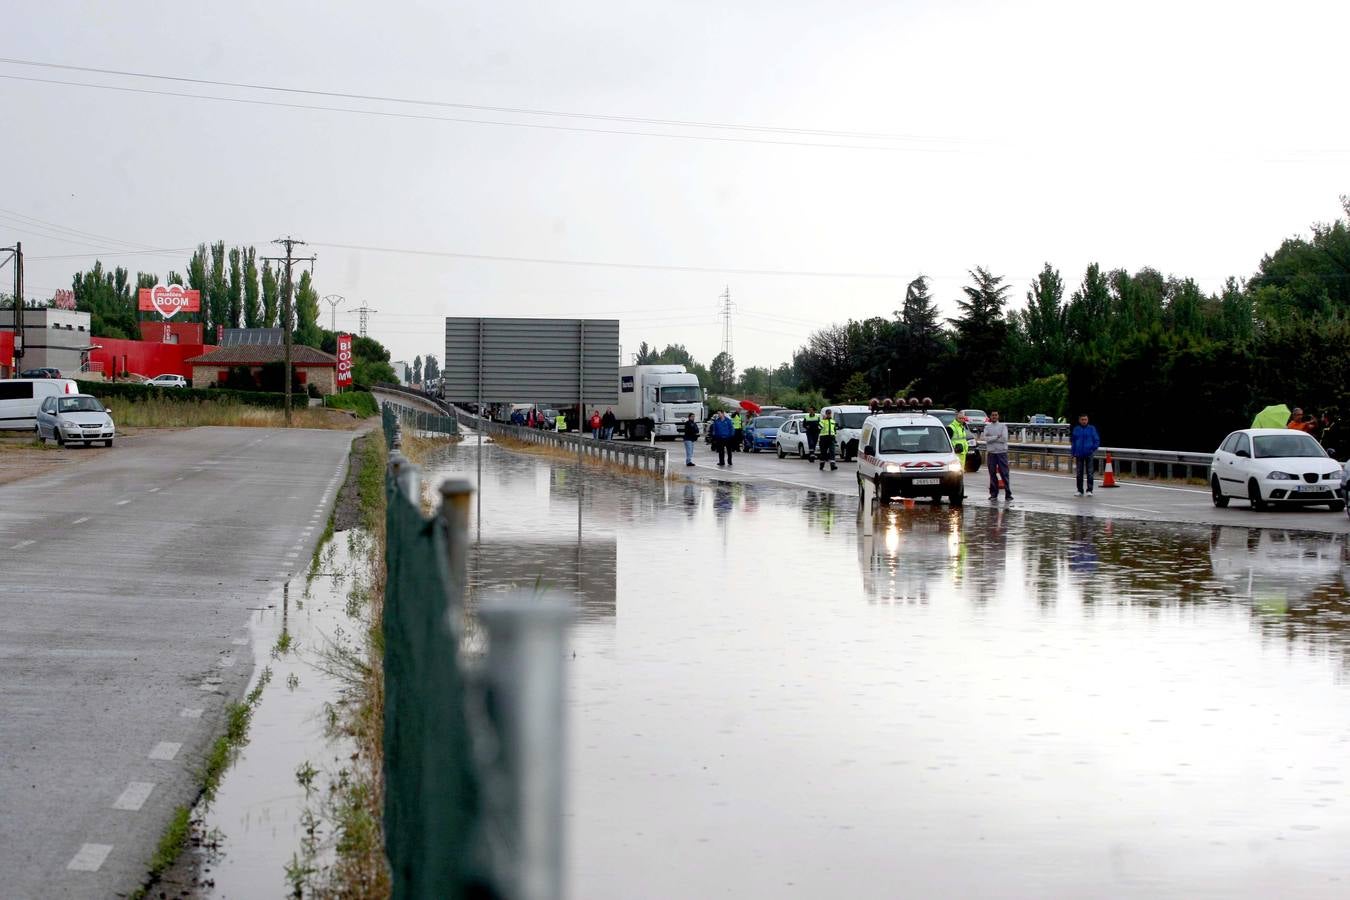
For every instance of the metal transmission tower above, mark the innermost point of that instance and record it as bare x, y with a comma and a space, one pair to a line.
287, 315
727, 307
364, 312
334, 301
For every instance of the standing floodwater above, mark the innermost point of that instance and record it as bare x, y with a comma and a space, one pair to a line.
966, 703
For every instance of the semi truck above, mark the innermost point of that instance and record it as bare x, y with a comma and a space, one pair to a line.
657, 400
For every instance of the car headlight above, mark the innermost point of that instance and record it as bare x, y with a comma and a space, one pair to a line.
1282, 476
954, 466
71, 426
890, 467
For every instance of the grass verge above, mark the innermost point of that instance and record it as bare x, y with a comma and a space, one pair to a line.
159, 413
360, 402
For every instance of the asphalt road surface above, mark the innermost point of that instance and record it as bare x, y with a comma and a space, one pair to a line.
1035, 491
125, 585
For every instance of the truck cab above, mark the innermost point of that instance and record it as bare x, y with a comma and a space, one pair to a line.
657, 400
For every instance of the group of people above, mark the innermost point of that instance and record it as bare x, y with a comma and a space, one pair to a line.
727, 433
533, 418
602, 427
1318, 427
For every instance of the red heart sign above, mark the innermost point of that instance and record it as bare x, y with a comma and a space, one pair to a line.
169, 300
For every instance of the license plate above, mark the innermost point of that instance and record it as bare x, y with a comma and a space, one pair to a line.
1309, 488
926, 481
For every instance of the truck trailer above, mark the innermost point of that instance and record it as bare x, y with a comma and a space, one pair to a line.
657, 400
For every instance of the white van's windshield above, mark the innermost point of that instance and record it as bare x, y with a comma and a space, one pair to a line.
851, 419
915, 439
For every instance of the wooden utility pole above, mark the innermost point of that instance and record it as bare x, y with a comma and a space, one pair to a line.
287, 308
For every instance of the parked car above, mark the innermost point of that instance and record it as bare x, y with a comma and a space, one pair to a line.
75, 418
21, 397
909, 455
976, 419
1268, 466
168, 381
44, 372
1041, 419
848, 421
791, 439
762, 433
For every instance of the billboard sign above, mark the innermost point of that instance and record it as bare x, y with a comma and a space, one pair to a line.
63, 300
509, 360
169, 300
344, 360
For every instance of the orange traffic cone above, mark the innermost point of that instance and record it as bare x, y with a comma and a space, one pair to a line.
1109, 476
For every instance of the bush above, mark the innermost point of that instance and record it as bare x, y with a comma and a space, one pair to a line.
360, 402
107, 389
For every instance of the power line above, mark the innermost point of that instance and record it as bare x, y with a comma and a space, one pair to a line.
76, 231
524, 111
462, 121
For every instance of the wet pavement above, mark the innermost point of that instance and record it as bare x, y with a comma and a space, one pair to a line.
984, 702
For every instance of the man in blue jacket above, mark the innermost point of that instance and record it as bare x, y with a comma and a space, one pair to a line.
1083, 442
723, 433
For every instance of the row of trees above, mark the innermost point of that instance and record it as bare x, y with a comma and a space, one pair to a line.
1154, 359
424, 371
235, 293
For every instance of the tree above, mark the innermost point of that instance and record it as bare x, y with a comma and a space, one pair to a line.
252, 309
723, 373
219, 288
644, 355
919, 313
431, 369
234, 312
981, 333
417, 370
307, 330
199, 279
855, 389
1044, 321
271, 296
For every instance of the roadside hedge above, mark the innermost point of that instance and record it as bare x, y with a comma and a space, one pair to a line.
360, 402
224, 395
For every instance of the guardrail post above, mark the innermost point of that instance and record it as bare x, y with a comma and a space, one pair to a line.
456, 494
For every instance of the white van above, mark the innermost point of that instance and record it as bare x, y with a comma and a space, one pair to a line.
21, 397
848, 422
909, 455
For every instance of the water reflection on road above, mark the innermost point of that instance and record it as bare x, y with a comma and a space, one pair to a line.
984, 702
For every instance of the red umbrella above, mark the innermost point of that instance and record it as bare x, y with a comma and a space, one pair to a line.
750, 406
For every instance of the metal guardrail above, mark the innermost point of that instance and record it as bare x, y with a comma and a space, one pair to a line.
1046, 434
645, 457
1125, 460
435, 401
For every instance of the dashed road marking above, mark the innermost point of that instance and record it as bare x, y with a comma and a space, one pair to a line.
134, 797
292, 555
191, 712
81, 520
165, 750
239, 641
154, 490
21, 544
123, 502
89, 858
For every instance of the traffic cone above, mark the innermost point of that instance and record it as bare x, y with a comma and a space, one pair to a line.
1109, 476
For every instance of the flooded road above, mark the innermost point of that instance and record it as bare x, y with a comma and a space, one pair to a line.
985, 702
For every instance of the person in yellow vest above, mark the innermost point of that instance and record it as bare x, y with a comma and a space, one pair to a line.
738, 426
560, 422
960, 442
829, 431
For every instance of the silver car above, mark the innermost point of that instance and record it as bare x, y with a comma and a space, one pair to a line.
75, 418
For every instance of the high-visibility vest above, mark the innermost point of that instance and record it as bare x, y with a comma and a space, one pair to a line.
828, 427
812, 419
560, 423
736, 421
958, 436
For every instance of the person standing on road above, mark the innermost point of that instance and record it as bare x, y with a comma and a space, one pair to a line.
995, 440
829, 431
594, 423
690, 432
811, 425
607, 424
560, 422
723, 433
1083, 442
738, 432
960, 441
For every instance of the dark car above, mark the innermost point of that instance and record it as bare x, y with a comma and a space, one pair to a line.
44, 372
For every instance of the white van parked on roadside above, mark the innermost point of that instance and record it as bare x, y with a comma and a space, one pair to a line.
909, 455
21, 397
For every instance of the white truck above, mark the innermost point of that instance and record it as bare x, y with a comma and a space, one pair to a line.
657, 399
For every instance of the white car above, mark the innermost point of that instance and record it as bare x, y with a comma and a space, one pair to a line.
1268, 466
168, 381
849, 421
909, 455
74, 419
792, 439
975, 419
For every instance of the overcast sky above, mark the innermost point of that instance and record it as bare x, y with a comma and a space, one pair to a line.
1192, 137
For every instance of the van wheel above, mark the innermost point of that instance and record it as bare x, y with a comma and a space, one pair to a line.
1254, 495
1219, 499
957, 497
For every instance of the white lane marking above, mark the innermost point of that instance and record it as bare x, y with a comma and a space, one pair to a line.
179, 478
292, 497
1129, 484
292, 555
191, 712
21, 544
154, 490
309, 529
208, 685
81, 520
165, 750
89, 858
134, 797
239, 642
123, 502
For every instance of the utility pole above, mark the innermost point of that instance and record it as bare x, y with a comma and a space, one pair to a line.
287, 320
334, 301
16, 254
364, 310
727, 307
